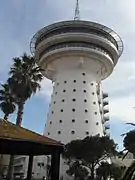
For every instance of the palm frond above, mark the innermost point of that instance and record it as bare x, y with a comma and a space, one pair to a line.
123, 134
17, 65
7, 101
133, 124
25, 77
37, 77
35, 86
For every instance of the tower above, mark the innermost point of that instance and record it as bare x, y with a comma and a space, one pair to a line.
75, 55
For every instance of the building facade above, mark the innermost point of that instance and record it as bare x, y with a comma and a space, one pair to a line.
40, 167
20, 166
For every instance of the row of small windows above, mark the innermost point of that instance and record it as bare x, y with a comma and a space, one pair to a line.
74, 81
73, 110
73, 121
72, 132
74, 90
86, 110
63, 100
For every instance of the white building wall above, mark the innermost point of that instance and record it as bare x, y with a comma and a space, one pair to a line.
74, 111
21, 165
39, 167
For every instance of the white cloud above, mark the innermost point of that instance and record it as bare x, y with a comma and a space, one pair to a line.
121, 78
123, 109
46, 89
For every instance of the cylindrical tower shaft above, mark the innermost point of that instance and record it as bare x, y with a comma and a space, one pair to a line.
74, 110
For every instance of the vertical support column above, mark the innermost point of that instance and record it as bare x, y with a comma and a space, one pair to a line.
55, 165
30, 165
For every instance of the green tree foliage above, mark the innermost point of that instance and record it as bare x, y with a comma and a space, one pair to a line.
103, 171
24, 80
78, 170
7, 103
129, 142
111, 171
90, 151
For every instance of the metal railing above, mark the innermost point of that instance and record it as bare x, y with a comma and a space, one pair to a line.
93, 31
76, 44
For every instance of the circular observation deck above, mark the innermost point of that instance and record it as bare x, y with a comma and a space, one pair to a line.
77, 37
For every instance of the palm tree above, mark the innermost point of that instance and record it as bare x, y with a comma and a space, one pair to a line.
24, 80
7, 104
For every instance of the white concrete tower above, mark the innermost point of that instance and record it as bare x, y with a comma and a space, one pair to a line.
75, 55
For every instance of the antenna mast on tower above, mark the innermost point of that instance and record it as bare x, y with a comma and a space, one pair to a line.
77, 11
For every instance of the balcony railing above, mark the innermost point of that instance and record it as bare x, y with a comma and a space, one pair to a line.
76, 44
87, 30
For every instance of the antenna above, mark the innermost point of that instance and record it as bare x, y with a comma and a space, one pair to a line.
77, 11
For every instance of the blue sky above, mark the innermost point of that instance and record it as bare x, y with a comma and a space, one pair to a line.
20, 19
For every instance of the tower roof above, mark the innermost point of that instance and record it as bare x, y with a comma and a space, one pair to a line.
102, 30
